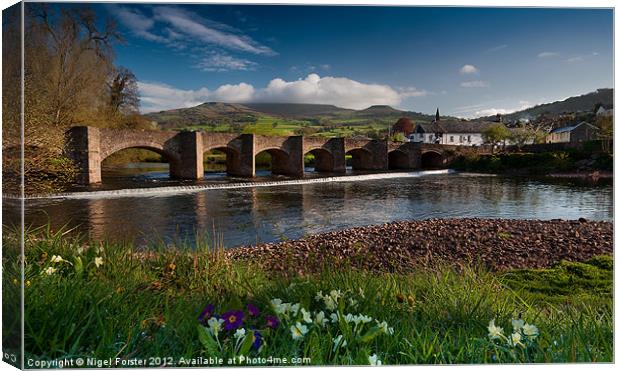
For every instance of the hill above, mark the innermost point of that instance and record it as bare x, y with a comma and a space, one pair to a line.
298, 109
206, 113
585, 102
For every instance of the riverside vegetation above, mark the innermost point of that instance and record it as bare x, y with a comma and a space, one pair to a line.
103, 299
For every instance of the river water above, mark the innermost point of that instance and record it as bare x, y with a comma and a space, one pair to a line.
249, 215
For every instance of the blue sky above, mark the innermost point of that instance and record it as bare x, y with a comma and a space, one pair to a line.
466, 61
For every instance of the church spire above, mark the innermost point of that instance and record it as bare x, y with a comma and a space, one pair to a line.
437, 115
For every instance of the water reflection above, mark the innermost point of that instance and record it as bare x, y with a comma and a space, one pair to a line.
251, 215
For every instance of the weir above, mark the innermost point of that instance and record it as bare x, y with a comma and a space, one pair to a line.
88, 147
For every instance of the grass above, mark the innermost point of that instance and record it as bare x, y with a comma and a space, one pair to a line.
145, 303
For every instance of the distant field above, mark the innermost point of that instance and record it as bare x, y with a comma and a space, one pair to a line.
323, 127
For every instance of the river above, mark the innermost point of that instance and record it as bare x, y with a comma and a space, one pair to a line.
249, 215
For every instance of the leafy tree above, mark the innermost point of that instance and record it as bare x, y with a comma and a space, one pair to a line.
495, 134
606, 133
522, 135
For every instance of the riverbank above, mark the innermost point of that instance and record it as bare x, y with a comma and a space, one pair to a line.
101, 299
497, 244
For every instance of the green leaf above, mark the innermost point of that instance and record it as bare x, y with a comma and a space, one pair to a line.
247, 343
371, 334
78, 266
207, 340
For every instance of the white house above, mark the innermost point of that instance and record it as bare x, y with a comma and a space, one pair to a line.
452, 132
605, 112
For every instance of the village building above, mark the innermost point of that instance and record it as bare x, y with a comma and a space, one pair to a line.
451, 132
580, 132
603, 112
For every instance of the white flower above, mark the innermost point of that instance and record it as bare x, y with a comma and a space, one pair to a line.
494, 331
306, 316
294, 308
530, 331
361, 291
298, 331
276, 302
364, 318
240, 333
517, 324
49, 271
339, 342
319, 296
352, 302
515, 339
373, 360
320, 319
384, 326
334, 317
330, 303
215, 325
57, 259
98, 261
348, 318
335, 294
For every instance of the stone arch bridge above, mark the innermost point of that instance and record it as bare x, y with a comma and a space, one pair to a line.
89, 146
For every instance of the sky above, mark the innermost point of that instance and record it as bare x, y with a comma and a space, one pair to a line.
468, 62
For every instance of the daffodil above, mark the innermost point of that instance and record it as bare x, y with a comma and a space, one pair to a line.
330, 303
373, 360
306, 316
348, 318
530, 331
49, 271
298, 331
338, 342
334, 317
335, 294
384, 327
494, 331
98, 261
215, 325
240, 333
57, 259
515, 339
517, 324
319, 296
320, 319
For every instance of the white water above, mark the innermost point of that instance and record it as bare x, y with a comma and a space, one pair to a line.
176, 190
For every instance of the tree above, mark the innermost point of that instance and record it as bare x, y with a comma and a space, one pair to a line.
123, 91
524, 134
606, 133
495, 134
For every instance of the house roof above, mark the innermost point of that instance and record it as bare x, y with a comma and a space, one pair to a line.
565, 129
454, 126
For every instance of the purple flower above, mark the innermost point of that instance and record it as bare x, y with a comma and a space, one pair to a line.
206, 313
273, 322
253, 310
258, 340
232, 319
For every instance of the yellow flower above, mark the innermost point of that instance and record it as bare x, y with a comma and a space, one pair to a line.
49, 271
98, 261
28, 283
494, 331
57, 259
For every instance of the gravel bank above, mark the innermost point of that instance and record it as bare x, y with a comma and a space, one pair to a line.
498, 244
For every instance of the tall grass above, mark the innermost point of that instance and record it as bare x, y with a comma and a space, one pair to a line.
145, 303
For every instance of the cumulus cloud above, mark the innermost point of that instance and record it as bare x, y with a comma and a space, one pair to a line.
475, 84
468, 69
548, 54
339, 91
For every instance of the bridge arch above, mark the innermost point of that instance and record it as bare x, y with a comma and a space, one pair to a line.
232, 156
432, 160
361, 158
398, 160
279, 160
323, 159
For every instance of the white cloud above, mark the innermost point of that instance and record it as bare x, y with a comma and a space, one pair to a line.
578, 58
412, 91
223, 62
548, 54
502, 111
468, 69
339, 91
475, 84
496, 48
